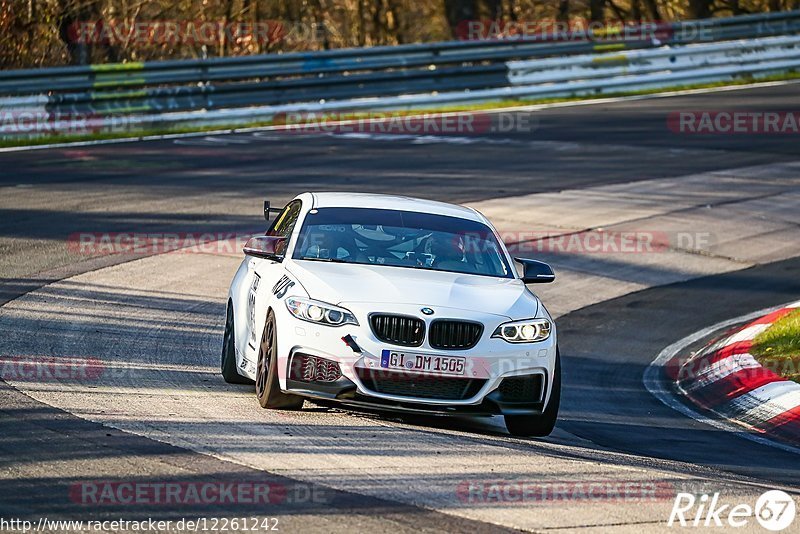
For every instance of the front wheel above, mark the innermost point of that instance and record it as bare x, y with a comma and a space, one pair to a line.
539, 425
268, 389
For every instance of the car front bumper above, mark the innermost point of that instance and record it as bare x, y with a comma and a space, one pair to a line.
346, 392
488, 364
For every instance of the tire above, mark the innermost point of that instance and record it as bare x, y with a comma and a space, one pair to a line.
539, 425
268, 389
228, 362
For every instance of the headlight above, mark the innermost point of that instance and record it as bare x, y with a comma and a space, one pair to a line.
315, 311
525, 331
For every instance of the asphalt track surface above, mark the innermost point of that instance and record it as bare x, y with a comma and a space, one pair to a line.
620, 414
165, 186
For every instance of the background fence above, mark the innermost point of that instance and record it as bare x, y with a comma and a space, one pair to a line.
246, 89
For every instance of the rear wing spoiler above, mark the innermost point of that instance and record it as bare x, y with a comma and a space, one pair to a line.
268, 209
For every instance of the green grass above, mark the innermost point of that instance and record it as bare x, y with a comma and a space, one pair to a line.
778, 347
496, 104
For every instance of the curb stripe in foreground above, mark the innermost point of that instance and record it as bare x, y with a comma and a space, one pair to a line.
748, 394
661, 387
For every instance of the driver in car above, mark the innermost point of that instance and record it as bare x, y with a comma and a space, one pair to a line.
328, 243
334, 243
447, 251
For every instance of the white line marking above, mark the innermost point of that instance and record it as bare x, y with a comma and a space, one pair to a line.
227, 140
746, 334
754, 401
654, 383
787, 397
742, 335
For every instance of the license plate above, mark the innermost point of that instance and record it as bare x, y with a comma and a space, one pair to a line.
423, 363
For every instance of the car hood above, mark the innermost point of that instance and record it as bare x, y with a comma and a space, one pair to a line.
339, 283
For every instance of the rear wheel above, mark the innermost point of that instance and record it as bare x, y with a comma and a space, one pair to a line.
268, 389
228, 363
539, 425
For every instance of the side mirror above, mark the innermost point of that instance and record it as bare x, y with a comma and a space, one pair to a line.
266, 246
536, 272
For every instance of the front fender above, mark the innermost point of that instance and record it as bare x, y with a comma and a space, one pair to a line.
272, 298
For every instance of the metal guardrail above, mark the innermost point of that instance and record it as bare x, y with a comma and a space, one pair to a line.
645, 70
668, 60
255, 87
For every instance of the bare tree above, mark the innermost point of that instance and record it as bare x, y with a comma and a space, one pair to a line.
699, 9
43, 32
458, 12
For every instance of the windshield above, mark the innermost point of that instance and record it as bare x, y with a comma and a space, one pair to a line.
401, 239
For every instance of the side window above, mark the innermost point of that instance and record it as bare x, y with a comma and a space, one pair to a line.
284, 223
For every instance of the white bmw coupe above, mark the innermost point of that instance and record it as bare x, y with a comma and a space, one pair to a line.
392, 303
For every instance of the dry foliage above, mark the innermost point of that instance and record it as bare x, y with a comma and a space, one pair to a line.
35, 33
